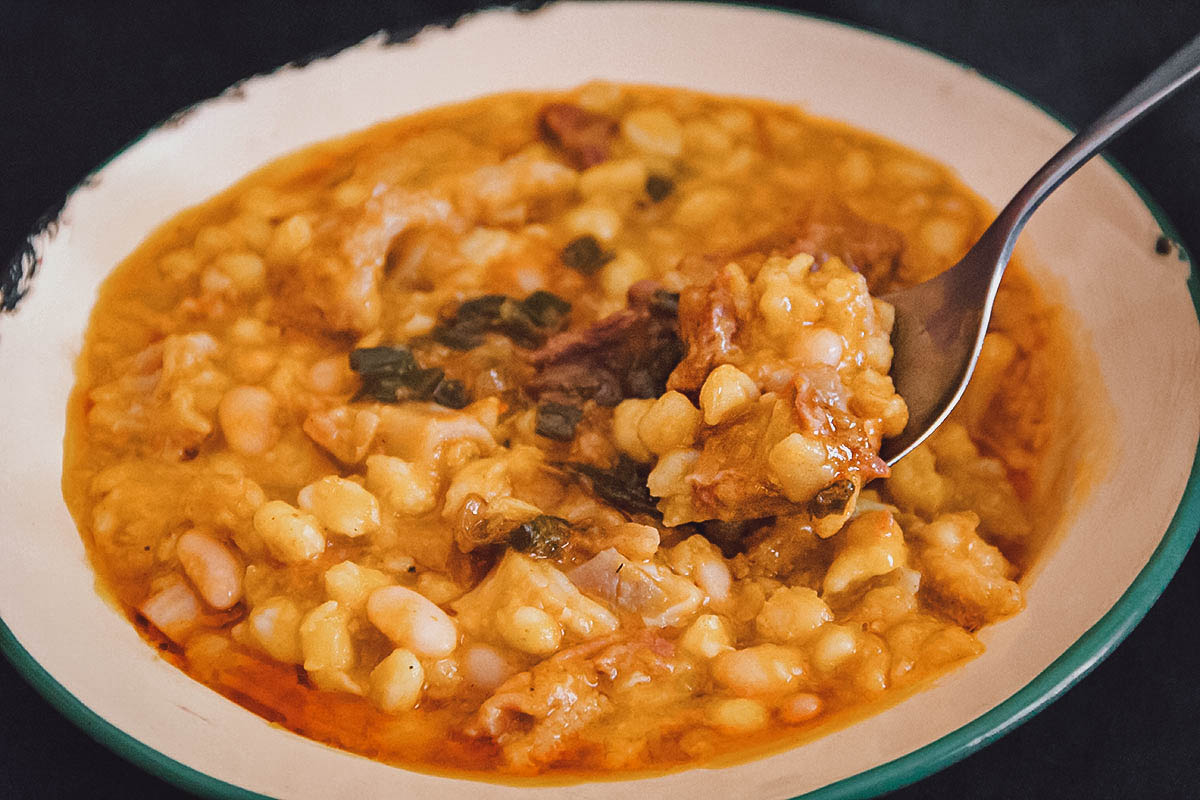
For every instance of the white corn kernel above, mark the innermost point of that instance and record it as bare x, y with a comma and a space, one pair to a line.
274, 625
400, 484
291, 535
737, 715
397, 681
247, 417
833, 645
350, 584
654, 131
342, 506
727, 393
530, 630
626, 417
668, 478
799, 463
614, 177
245, 269
792, 614
626, 269
671, 423
325, 639
707, 637
817, 346
599, 221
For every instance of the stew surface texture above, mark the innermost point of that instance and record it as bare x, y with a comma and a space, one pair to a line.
538, 435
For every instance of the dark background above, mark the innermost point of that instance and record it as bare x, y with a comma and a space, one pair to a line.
78, 81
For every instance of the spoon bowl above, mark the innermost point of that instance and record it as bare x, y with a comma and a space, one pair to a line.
940, 324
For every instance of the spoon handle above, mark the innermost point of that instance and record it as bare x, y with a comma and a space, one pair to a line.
1156, 87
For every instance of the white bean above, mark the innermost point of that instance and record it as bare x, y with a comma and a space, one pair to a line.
212, 568
174, 610
412, 621
247, 417
485, 667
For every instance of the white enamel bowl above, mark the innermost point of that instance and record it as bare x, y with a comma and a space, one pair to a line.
1094, 241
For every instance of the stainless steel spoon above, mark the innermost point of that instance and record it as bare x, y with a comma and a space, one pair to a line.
940, 323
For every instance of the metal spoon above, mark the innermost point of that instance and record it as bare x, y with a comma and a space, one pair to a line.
940, 323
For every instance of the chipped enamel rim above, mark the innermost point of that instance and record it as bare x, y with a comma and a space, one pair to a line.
1060, 674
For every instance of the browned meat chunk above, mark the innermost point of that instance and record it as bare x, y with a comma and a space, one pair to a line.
626, 354
583, 136
829, 229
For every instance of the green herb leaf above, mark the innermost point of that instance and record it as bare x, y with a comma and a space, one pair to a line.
546, 309
451, 394
832, 499
542, 537
557, 421
527, 322
394, 360
658, 187
584, 254
623, 485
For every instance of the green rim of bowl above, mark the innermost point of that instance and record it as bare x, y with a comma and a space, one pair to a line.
1079, 659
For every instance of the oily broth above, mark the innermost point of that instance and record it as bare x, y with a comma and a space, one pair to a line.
781, 155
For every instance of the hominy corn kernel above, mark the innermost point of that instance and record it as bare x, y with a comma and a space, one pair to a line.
792, 614
727, 393
397, 681
832, 646
798, 462
342, 506
351, 584
325, 639
247, 417
626, 417
614, 177
706, 637
400, 484
626, 269
654, 131
274, 625
601, 222
246, 270
530, 630
737, 715
671, 423
291, 535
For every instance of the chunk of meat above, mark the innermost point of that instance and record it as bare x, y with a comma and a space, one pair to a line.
505, 193
329, 278
534, 715
345, 432
519, 580
583, 136
828, 229
164, 400
712, 317
656, 594
968, 579
627, 354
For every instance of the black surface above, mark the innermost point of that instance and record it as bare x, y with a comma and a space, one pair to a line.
78, 81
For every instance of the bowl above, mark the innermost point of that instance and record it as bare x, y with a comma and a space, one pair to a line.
1093, 243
